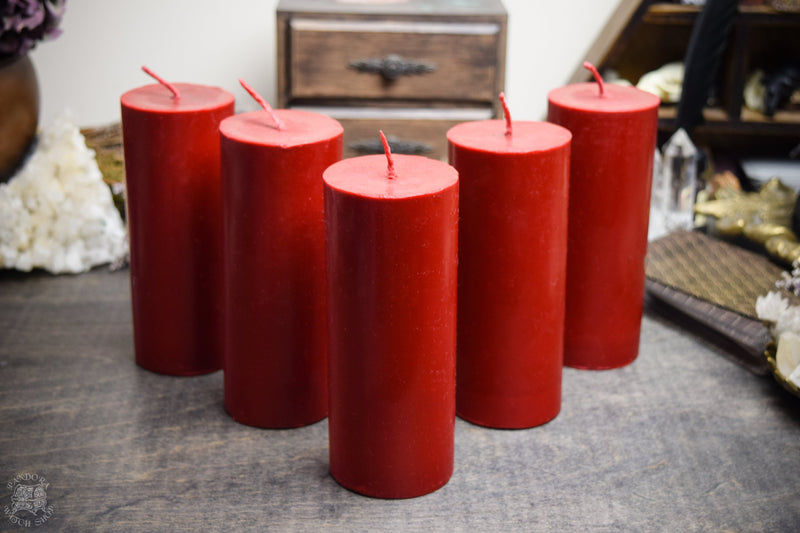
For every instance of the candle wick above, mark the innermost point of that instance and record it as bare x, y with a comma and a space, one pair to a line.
507, 113
175, 93
391, 173
263, 103
597, 77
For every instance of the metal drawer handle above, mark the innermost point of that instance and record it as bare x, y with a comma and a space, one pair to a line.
392, 66
398, 146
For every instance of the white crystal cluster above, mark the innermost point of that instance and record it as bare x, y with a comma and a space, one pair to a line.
785, 318
57, 213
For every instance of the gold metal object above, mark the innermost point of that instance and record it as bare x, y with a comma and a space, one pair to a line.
780, 378
763, 217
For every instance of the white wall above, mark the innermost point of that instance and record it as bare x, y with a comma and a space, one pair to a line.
215, 42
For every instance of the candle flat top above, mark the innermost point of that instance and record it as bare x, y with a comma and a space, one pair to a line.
526, 137
617, 98
159, 99
367, 176
299, 128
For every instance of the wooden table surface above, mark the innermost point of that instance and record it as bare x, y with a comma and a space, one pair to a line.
681, 440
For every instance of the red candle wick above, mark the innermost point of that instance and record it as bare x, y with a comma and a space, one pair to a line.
175, 93
597, 77
507, 113
263, 103
391, 173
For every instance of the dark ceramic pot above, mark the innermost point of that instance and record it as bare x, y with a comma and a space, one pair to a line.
19, 113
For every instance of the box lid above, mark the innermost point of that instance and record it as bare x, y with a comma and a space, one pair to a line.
395, 7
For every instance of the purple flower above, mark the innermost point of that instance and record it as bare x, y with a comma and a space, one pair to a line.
23, 23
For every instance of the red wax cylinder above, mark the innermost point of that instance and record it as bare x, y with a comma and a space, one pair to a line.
174, 213
275, 312
511, 270
392, 267
613, 141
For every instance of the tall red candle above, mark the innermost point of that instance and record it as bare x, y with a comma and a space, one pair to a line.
391, 238
174, 212
613, 140
511, 270
275, 312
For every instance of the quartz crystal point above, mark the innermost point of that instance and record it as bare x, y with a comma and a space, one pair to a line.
679, 181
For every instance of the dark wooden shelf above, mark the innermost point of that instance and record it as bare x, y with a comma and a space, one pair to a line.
748, 118
710, 114
642, 36
781, 117
668, 13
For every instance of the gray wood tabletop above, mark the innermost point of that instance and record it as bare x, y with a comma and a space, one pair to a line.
683, 439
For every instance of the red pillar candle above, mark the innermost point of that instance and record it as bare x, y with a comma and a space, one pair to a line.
275, 312
174, 213
391, 238
511, 269
613, 139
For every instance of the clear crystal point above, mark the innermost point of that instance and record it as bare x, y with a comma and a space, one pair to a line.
679, 181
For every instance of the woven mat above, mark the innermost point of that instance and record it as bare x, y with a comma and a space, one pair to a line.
712, 270
106, 142
716, 284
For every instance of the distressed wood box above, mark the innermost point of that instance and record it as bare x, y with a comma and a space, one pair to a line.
412, 68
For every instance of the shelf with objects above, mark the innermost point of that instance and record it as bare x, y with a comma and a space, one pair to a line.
728, 74
758, 47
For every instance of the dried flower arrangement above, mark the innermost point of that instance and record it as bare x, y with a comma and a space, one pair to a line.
23, 23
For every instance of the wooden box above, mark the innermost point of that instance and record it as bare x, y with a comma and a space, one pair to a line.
412, 68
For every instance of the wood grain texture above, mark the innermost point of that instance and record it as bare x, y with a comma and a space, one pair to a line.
412, 8
464, 41
431, 134
465, 64
615, 27
681, 440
